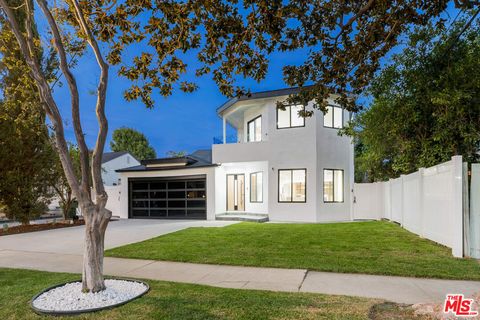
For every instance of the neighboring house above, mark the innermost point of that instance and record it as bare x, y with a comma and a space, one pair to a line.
112, 161
282, 166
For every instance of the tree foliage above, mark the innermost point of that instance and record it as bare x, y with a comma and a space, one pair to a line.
346, 39
133, 141
426, 105
25, 150
176, 154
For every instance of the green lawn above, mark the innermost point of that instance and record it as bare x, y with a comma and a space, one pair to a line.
376, 247
168, 300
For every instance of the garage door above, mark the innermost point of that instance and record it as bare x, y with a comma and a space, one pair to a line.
174, 198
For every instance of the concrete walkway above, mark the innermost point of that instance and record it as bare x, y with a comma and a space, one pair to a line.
397, 289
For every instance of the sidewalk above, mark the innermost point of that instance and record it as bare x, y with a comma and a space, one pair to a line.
397, 289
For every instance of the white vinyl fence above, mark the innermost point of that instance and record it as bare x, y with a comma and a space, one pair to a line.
473, 227
428, 202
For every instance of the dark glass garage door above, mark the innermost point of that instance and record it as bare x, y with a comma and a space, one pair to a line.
174, 198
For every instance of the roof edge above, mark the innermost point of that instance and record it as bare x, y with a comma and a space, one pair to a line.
261, 95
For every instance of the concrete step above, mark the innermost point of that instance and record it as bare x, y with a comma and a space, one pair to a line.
242, 217
242, 213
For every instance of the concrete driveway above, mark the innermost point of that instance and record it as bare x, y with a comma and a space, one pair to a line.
119, 233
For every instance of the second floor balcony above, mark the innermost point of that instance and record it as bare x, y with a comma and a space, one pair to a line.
240, 152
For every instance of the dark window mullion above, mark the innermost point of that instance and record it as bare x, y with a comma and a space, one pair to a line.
291, 185
290, 116
166, 200
148, 199
333, 179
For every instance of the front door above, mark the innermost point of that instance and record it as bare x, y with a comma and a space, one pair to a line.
235, 192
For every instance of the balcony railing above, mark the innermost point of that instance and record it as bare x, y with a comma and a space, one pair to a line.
230, 139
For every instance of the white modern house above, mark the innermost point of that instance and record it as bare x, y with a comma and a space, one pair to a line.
112, 161
280, 166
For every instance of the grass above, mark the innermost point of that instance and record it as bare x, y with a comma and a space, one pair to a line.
376, 247
168, 300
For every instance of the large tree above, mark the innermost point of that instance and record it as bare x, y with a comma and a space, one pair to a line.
25, 150
426, 105
133, 141
228, 38
58, 181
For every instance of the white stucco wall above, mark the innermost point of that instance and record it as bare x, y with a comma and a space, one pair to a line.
334, 152
245, 168
109, 176
114, 202
292, 148
311, 147
208, 171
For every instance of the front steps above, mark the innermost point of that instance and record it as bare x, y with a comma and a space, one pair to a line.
242, 216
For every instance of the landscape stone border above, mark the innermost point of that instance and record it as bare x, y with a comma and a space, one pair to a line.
76, 312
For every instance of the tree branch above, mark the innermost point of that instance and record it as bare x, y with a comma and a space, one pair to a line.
101, 197
74, 96
45, 94
350, 21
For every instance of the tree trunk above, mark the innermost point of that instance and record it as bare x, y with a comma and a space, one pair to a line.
95, 225
65, 210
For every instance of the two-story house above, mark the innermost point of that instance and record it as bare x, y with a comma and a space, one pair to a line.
281, 166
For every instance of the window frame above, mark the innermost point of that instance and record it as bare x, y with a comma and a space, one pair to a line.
291, 183
333, 185
254, 128
290, 117
252, 173
333, 117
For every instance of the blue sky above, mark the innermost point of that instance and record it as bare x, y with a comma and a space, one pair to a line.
181, 122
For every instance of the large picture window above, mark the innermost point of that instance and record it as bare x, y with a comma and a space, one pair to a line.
292, 185
333, 118
332, 185
254, 129
256, 187
289, 118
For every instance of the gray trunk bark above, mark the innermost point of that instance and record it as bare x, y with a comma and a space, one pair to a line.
95, 227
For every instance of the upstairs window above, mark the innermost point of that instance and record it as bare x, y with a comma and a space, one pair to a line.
333, 118
254, 129
332, 185
289, 118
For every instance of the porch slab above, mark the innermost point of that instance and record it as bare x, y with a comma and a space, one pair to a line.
242, 217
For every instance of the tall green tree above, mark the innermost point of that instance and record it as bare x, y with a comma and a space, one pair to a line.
59, 183
25, 151
133, 141
426, 105
228, 38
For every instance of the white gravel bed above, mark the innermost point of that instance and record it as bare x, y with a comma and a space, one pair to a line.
70, 297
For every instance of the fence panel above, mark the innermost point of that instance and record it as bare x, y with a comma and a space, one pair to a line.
412, 206
368, 201
475, 212
428, 202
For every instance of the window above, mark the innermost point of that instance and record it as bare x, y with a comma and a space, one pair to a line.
333, 118
256, 187
289, 118
254, 129
332, 185
292, 185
